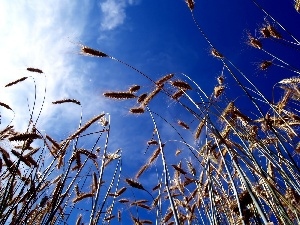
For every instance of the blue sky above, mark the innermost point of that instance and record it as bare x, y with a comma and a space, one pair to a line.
157, 37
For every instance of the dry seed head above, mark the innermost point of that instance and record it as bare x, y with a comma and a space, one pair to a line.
119, 95
292, 80
273, 32
154, 155
216, 54
82, 196
265, 32
177, 152
16, 81
190, 3
183, 124
121, 191
255, 42
199, 128
181, 84
179, 169
177, 94
220, 80
92, 52
152, 94
35, 70
297, 5
141, 171
152, 142
138, 110
164, 79
265, 64
67, 100
218, 90
134, 184
134, 88
5, 105
24, 137
142, 97
123, 200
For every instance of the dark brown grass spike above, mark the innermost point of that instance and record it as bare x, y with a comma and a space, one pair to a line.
134, 184
16, 81
119, 95
164, 79
67, 100
92, 52
34, 70
5, 105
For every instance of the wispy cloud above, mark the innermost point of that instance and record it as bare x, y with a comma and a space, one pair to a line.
113, 13
37, 34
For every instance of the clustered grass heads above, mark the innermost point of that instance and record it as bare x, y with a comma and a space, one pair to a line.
244, 159
45, 180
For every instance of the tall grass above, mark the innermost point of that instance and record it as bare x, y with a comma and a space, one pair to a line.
222, 164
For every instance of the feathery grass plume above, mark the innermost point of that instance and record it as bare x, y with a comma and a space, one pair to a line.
177, 94
16, 81
138, 110
265, 65
35, 70
92, 52
67, 100
292, 80
83, 128
216, 54
162, 80
134, 88
255, 42
134, 184
181, 84
141, 98
183, 124
218, 90
199, 128
24, 137
273, 32
152, 94
82, 196
190, 3
119, 95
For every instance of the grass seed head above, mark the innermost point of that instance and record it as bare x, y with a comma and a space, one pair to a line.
5, 105
265, 32
119, 95
134, 88
218, 90
190, 3
142, 97
92, 52
34, 70
177, 94
183, 124
164, 79
273, 32
255, 42
216, 54
16, 81
67, 100
181, 84
265, 65
134, 184
138, 110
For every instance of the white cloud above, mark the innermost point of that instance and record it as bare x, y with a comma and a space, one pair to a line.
113, 13
36, 34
